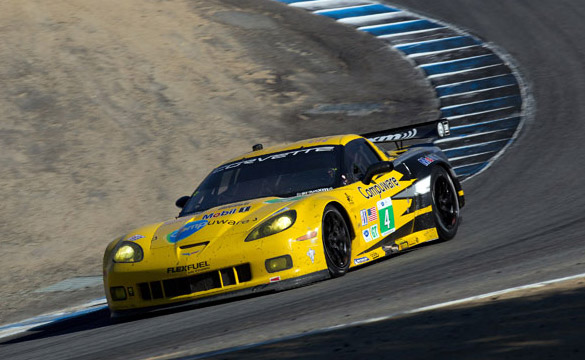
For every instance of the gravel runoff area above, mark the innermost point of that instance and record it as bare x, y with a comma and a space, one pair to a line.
111, 110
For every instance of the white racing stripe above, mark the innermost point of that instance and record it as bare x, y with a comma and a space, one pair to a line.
470, 156
462, 71
316, 5
444, 51
390, 36
377, 26
477, 91
454, 117
442, 305
358, 20
450, 139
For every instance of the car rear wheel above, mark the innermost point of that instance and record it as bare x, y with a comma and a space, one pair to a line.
445, 203
336, 241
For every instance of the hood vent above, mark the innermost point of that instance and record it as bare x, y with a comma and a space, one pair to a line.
193, 245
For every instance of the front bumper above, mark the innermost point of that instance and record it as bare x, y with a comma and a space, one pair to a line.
258, 289
166, 277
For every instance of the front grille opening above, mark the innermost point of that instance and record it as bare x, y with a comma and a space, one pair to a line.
177, 287
205, 282
156, 289
227, 276
144, 291
192, 284
244, 273
195, 283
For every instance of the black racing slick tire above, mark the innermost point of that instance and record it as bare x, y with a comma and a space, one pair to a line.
445, 204
336, 241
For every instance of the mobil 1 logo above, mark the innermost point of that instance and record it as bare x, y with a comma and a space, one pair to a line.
386, 216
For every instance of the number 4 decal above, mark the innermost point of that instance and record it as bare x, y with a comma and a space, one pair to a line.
386, 216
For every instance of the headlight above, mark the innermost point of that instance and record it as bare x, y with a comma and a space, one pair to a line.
273, 225
128, 252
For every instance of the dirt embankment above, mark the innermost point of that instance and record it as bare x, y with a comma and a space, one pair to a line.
113, 109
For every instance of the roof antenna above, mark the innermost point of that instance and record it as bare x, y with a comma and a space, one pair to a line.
257, 147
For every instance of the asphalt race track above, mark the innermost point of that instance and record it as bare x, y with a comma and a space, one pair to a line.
523, 224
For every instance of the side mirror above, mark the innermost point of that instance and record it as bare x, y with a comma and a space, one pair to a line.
182, 201
376, 169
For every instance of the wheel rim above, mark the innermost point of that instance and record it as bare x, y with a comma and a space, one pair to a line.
336, 239
445, 202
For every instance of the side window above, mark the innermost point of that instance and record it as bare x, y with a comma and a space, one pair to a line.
358, 156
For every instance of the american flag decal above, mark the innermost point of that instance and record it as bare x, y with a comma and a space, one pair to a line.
372, 214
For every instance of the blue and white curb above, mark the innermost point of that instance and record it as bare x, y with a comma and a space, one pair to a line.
35, 322
478, 91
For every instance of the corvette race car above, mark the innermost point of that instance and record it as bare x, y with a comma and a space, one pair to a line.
286, 216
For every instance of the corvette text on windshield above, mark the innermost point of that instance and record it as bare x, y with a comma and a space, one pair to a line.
274, 157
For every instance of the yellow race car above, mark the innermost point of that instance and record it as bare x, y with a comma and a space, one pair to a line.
286, 216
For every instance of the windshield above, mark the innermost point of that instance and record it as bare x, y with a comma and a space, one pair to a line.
284, 174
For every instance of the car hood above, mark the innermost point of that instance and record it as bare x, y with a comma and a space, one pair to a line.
200, 229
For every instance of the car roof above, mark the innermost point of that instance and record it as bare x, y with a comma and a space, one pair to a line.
320, 141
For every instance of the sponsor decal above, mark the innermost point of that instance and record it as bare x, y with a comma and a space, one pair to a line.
349, 199
367, 235
364, 215
135, 237
361, 260
427, 160
379, 189
186, 231
231, 222
191, 253
374, 255
311, 255
314, 191
395, 137
191, 267
274, 279
374, 232
274, 201
308, 235
273, 157
226, 212
386, 215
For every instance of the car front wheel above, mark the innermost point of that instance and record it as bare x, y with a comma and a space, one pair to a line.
336, 241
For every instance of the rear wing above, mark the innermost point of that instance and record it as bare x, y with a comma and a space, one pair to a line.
429, 130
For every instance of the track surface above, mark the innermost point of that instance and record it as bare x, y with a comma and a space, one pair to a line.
523, 222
